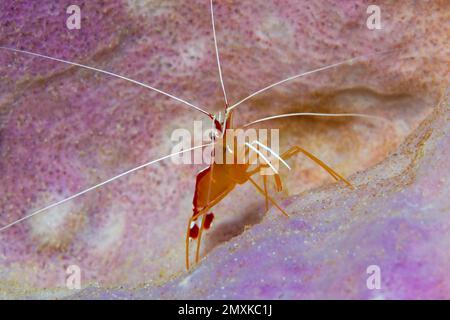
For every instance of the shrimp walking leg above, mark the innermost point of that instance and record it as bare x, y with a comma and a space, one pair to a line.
266, 193
294, 150
260, 190
201, 213
192, 219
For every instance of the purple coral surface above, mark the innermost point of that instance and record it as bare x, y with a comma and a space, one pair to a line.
64, 129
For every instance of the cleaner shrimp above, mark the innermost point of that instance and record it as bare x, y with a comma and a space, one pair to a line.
217, 180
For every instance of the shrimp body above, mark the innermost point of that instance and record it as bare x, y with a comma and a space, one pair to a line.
217, 180
213, 184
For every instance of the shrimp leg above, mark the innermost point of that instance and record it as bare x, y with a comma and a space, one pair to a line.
294, 150
260, 190
276, 176
266, 193
195, 217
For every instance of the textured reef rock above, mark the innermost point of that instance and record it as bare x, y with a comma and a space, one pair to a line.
397, 219
63, 129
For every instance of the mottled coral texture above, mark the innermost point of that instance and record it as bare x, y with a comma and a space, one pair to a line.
63, 129
397, 219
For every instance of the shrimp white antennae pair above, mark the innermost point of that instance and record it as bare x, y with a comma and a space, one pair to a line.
110, 74
218, 56
314, 114
100, 185
176, 99
326, 67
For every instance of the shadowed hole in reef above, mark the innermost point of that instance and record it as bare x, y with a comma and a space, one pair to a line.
348, 145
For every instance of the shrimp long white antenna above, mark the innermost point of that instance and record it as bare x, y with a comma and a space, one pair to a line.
276, 155
330, 66
98, 186
305, 114
110, 74
262, 156
217, 54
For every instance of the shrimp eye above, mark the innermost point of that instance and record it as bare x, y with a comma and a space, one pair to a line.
193, 232
208, 220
